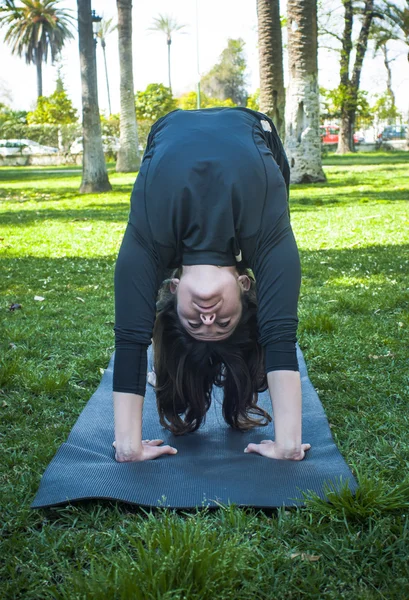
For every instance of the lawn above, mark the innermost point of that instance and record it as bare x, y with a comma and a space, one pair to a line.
353, 235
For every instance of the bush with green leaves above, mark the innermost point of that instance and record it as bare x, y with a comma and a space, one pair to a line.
155, 102
56, 109
188, 101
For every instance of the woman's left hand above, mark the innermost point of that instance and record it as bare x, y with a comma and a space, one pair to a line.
270, 449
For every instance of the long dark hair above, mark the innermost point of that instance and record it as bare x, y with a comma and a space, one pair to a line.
186, 369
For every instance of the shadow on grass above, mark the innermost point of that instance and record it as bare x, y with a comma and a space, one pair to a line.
15, 175
17, 196
114, 211
117, 211
353, 197
383, 263
366, 158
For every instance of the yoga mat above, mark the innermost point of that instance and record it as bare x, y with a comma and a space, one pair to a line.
210, 466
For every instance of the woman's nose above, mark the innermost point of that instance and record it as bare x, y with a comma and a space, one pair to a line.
207, 319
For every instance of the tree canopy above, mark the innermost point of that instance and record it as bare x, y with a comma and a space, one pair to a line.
155, 102
227, 78
188, 101
35, 30
56, 109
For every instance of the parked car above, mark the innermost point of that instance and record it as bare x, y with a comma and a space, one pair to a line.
109, 144
330, 133
393, 132
10, 147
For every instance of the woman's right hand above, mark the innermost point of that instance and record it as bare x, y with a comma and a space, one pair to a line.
150, 450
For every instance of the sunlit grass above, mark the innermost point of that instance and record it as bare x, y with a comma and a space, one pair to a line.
353, 235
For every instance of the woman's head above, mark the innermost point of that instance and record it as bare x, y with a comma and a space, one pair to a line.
187, 366
209, 300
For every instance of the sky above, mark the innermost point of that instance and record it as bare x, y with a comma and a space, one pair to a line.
218, 20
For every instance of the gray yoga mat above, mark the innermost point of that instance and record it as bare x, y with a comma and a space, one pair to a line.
210, 466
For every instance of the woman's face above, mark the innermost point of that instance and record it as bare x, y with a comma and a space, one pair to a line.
209, 300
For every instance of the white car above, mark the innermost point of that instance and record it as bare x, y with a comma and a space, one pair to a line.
12, 147
109, 144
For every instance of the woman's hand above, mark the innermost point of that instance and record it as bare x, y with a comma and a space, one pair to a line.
271, 449
150, 449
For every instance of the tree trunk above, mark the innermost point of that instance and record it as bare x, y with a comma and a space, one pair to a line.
407, 130
169, 43
350, 97
386, 62
128, 156
94, 173
345, 139
39, 67
303, 140
272, 94
103, 44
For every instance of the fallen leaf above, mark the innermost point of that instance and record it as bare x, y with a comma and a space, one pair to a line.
12, 345
80, 299
14, 306
305, 556
4, 405
39, 298
376, 357
101, 370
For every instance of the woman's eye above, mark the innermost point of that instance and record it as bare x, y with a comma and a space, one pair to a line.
226, 324
194, 325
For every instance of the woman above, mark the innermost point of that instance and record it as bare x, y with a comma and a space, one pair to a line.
210, 201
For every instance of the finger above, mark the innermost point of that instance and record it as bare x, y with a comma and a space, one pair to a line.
155, 442
164, 450
252, 448
305, 447
266, 442
145, 441
114, 444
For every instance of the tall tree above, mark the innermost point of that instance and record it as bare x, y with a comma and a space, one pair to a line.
398, 18
94, 172
167, 25
56, 109
349, 84
35, 30
303, 140
381, 35
128, 156
106, 27
270, 46
227, 79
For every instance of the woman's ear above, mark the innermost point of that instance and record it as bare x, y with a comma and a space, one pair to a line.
244, 282
173, 286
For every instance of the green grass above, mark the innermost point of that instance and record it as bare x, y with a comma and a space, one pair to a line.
353, 235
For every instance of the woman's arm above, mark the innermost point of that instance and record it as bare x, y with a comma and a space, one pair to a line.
128, 444
285, 392
136, 283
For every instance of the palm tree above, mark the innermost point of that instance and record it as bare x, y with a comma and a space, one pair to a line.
303, 141
167, 25
272, 94
105, 28
128, 156
94, 172
36, 29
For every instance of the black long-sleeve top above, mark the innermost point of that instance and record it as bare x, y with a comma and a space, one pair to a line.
213, 183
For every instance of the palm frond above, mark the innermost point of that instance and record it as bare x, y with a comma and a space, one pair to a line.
36, 25
106, 27
166, 24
